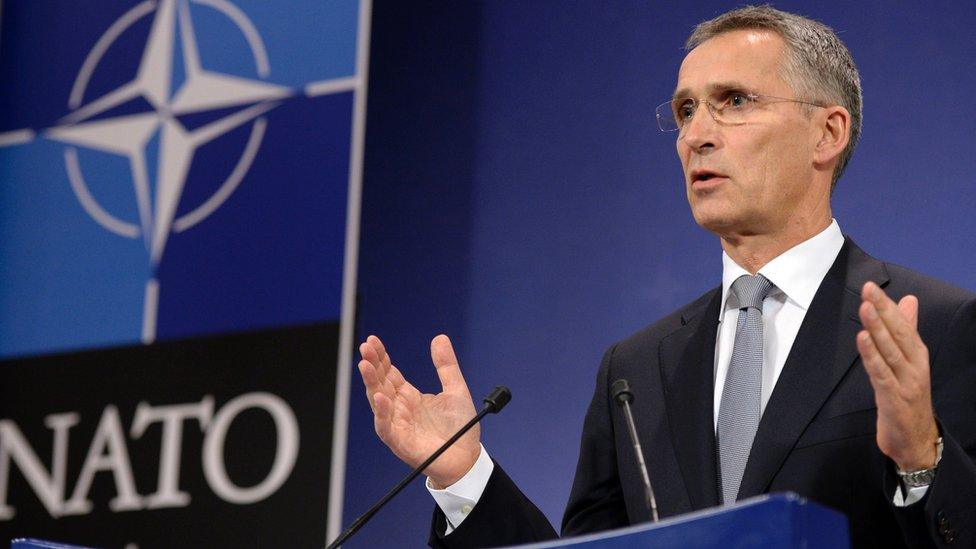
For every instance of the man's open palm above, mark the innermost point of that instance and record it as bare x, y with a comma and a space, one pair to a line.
413, 424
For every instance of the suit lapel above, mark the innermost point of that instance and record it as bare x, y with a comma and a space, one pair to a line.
823, 351
687, 359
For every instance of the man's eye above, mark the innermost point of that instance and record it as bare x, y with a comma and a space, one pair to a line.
738, 100
685, 110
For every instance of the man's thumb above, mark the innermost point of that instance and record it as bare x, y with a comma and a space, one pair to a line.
446, 362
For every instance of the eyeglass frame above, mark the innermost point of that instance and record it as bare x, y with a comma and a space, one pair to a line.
716, 112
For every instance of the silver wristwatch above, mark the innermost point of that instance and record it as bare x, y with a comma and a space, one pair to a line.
922, 477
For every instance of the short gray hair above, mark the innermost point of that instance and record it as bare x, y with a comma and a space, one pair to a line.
818, 65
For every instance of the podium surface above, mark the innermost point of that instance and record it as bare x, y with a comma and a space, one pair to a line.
767, 521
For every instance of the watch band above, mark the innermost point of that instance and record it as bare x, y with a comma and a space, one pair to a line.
922, 477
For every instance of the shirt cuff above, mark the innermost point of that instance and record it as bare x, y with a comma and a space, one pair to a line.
458, 499
914, 495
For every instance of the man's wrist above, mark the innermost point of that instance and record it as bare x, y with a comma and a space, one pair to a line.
441, 484
916, 478
923, 454
921, 460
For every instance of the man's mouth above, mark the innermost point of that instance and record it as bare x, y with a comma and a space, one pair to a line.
699, 176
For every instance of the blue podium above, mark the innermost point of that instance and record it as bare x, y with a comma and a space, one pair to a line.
770, 521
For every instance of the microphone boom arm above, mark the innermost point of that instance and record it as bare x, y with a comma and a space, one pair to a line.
621, 393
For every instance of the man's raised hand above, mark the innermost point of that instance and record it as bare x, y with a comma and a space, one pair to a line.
413, 424
897, 363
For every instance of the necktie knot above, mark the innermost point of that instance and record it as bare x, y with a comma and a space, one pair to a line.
750, 291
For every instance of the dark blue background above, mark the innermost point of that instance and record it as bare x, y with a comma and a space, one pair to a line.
519, 197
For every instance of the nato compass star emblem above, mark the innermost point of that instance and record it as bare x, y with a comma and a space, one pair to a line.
238, 101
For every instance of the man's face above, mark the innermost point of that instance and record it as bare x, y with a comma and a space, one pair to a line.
752, 178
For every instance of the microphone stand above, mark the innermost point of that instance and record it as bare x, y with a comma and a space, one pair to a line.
494, 403
621, 393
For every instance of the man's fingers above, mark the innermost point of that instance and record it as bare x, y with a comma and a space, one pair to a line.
395, 377
373, 350
446, 362
383, 416
384, 357
400, 383
368, 374
878, 371
368, 352
909, 309
375, 377
900, 329
882, 339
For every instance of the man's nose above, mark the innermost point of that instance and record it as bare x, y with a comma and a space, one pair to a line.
699, 133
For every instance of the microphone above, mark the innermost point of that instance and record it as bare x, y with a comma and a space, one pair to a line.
494, 403
621, 393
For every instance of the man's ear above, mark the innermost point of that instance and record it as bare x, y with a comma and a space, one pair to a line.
833, 135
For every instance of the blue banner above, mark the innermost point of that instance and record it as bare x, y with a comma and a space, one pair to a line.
171, 169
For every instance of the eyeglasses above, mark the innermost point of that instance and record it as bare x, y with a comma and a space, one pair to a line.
735, 108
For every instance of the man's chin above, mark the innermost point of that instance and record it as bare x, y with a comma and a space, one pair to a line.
712, 221
707, 217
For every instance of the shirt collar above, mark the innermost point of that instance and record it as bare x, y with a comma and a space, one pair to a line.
797, 272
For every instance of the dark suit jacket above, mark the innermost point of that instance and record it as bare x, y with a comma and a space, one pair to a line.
816, 437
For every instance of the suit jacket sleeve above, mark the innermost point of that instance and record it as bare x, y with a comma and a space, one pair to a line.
503, 516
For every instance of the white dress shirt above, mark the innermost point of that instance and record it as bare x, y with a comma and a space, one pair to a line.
796, 275
458, 499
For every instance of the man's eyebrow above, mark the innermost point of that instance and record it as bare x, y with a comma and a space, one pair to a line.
713, 89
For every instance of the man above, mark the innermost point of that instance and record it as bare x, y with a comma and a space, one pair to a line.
813, 368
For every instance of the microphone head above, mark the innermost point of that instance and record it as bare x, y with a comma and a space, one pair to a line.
621, 391
498, 399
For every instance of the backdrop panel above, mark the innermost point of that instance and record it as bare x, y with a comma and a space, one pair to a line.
179, 203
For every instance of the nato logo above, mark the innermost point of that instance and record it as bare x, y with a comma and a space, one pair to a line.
172, 168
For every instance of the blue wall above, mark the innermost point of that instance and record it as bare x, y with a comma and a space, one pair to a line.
519, 197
